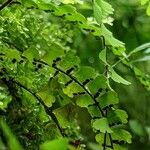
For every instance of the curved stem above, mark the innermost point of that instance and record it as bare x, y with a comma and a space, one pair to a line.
47, 109
80, 84
5, 4
83, 87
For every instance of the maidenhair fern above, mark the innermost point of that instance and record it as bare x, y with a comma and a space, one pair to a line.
39, 67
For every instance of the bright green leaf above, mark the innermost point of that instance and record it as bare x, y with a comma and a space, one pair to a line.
97, 12
102, 56
121, 135
65, 9
100, 138
109, 39
68, 116
100, 82
94, 111
47, 96
102, 10
102, 125
117, 78
85, 73
117, 115
58, 144
109, 98
71, 89
84, 101
68, 1
120, 147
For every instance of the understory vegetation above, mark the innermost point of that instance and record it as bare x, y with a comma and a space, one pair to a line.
74, 74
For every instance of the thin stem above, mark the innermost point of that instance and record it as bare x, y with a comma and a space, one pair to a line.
103, 40
107, 76
125, 57
104, 145
80, 84
75, 80
105, 135
111, 141
5, 4
47, 109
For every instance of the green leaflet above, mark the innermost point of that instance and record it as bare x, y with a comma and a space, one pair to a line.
84, 101
5, 98
102, 56
63, 79
100, 82
68, 117
65, 9
29, 3
85, 73
11, 53
46, 6
96, 31
119, 51
94, 111
94, 146
58, 144
108, 98
69, 1
102, 125
102, 10
100, 138
71, 89
13, 143
117, 116
31, 53
97, 12
119, 147
47, 96
69, 61
76, 17
54, 52
117, 78
48, 93
110, 40
121, 135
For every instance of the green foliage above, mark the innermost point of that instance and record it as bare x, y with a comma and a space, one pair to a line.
55, 144
143, 2
12, 142
102, 125
44, 86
